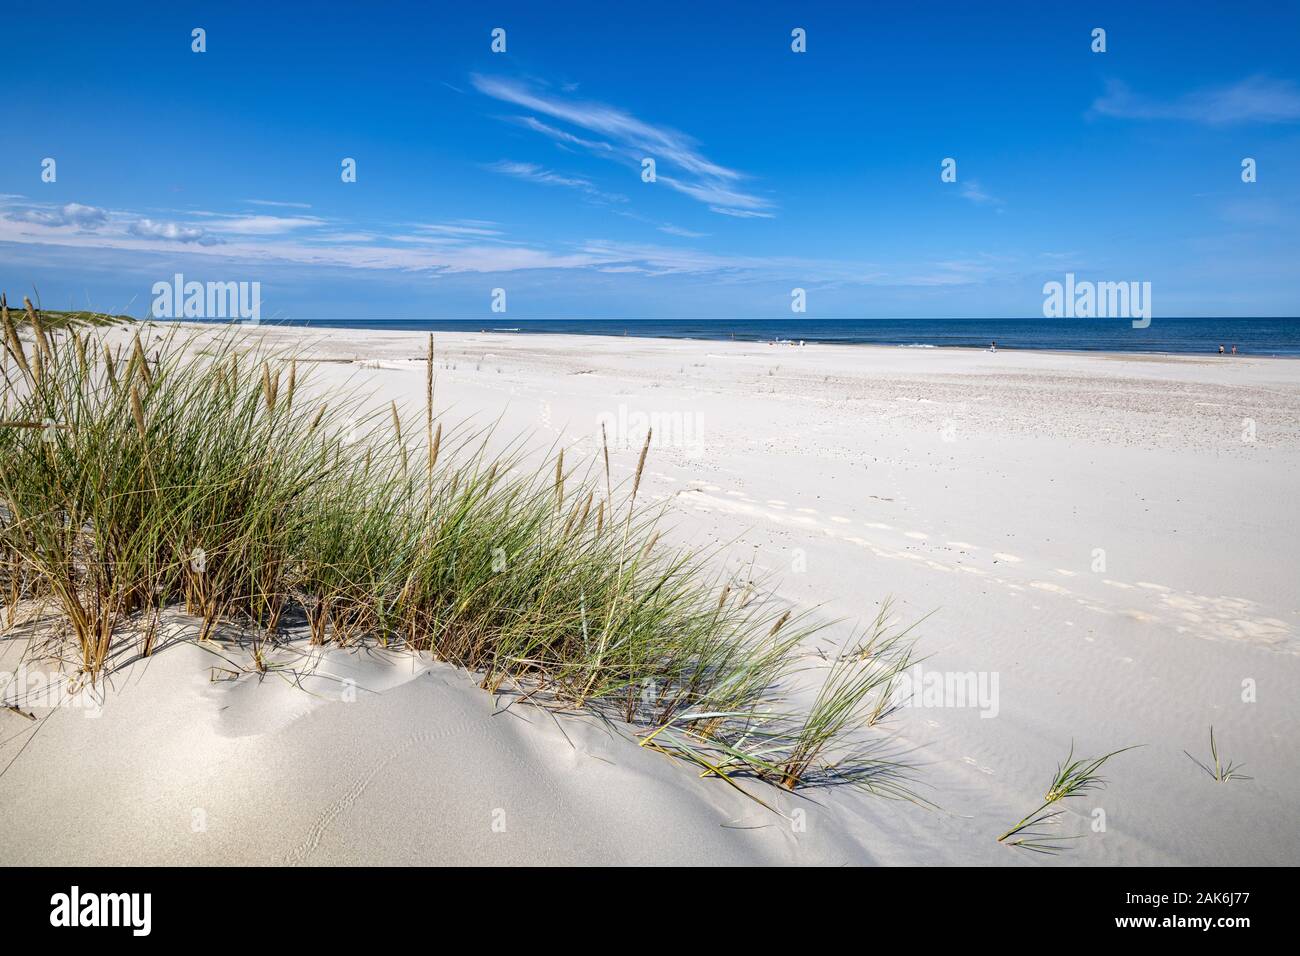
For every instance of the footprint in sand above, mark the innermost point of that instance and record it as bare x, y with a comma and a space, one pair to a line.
838, 520
917, 535
1003, 556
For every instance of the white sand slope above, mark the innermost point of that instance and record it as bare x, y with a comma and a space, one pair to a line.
1091, 531
408, 764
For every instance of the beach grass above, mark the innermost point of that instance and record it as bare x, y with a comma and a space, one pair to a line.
65, 318
158, 474
1073, 778
1220, 770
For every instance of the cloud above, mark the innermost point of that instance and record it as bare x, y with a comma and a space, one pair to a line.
629, 139
459, 247
171, 231
72, 214
460, 229
740, 213
536, 174
972, 190
96, 219
273, 202
654, 259
533, 173
347, 237
1253, 100
261, 225
559, 135
672, 230
129, 234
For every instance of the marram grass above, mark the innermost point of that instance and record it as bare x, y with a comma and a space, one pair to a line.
164, 474
1073, 779
1220, 771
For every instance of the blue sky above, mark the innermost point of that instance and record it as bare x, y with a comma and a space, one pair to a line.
776, 170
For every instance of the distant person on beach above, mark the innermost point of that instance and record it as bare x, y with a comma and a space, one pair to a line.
1234, 350
1220, 349
993, 346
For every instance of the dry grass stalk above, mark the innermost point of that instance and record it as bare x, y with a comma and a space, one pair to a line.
559, 480
137, 412
428, 411
16, 345
140, 361
270, 386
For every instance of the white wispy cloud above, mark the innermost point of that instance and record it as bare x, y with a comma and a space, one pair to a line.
171, 231
377, 253
653, 259
972, 190
559, 135
276, 202
460, 229
446, 248
1256, 99
260, 225
533, 173
679, 162
672, 230
536, 174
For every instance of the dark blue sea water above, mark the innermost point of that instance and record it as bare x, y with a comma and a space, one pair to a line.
1279, 337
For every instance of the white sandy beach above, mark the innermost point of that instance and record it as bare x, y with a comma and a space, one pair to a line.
1109, 541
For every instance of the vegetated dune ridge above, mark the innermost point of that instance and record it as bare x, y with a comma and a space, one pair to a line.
974, 484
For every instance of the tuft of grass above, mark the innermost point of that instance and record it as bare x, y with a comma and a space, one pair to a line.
52, 319
1073, 778
205, 475
829, 744
1221, 772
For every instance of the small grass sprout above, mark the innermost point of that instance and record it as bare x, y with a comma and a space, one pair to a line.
1216, 768
1073, 778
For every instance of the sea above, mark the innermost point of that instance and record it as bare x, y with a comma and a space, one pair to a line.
1182, 336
